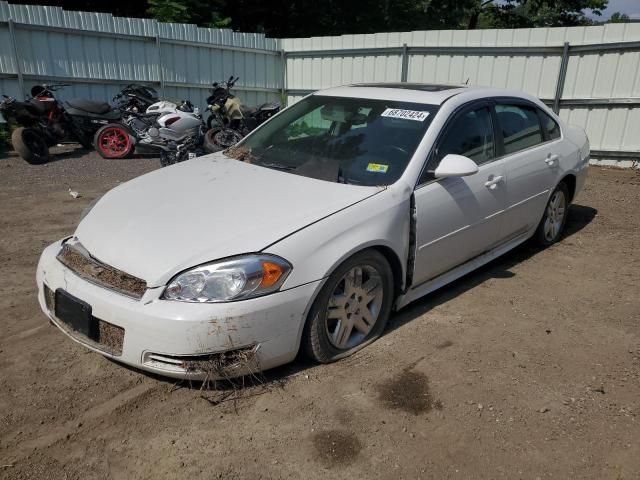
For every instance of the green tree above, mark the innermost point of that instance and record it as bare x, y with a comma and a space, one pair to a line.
305, 18
200, 12
169, 10
618, 17
539, 13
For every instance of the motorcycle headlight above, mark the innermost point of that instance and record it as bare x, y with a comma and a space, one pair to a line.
234, 279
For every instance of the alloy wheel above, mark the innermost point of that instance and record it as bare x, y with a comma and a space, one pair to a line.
354, 307
556, 209
114, 142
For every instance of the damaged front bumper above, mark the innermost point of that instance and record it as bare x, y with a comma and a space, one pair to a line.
179, 339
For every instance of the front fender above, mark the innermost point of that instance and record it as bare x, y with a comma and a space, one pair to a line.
382, 220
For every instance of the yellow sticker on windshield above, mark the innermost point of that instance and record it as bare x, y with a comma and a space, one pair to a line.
377, 168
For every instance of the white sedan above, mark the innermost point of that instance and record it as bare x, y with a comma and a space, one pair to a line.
351, 203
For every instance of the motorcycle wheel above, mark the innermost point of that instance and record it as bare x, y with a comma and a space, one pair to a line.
30, 145
220, 139
113, 141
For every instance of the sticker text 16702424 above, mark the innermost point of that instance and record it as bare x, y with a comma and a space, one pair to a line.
405, 114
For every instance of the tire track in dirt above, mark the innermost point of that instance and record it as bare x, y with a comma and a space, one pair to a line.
55, 434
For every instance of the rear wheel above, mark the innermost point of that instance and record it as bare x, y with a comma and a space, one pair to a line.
30, 145
352, 308
113, 141
218, 139
555, 217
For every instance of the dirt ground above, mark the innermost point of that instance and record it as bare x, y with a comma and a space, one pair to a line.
528, 368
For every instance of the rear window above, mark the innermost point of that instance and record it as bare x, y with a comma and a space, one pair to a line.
345, 140
520, 127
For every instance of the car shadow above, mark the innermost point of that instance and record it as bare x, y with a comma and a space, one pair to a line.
579, 217
67, 152
236, 389
71, 151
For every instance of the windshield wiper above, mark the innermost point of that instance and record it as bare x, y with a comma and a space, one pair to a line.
278, 166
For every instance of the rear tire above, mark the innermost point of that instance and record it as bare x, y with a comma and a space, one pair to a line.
352, 308
113, 141
554, 219
30, 145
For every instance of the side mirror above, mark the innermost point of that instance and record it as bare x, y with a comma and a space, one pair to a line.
455, 166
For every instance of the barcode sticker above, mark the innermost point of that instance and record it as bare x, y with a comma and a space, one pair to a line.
405, 114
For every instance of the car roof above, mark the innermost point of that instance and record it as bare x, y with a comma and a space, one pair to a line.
433, 94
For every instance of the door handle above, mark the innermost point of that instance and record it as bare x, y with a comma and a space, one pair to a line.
493, 182
552, 159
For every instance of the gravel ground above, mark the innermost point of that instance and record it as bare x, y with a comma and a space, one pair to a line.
528, 368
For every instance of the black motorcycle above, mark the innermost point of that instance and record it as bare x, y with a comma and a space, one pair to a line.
45, 121
136, 98
229, 120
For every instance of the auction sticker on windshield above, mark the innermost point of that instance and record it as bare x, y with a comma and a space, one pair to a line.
377, 168
405, 114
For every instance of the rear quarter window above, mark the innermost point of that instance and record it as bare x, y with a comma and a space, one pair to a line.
549, 125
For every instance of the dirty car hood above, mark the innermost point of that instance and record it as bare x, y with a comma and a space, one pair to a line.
202, 210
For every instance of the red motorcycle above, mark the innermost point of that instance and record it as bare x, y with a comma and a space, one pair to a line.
45, 121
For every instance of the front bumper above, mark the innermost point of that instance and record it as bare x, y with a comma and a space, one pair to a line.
159, 334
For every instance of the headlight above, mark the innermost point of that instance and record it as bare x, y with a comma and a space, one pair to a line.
234, 279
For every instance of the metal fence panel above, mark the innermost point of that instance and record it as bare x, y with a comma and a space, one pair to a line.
594, 82
597, 87
98, 53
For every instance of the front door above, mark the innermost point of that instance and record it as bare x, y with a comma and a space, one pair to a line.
459, 218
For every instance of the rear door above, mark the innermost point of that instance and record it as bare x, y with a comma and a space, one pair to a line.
459, 218
529, 143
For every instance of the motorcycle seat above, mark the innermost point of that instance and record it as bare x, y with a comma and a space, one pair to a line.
248, 111
89, 106
269, 106
36, 106
265, 107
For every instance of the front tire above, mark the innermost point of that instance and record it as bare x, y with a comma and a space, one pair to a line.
554, 219
30, 145
113, 141
352, 308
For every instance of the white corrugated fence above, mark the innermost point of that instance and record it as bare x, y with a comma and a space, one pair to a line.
590, 75
98, 53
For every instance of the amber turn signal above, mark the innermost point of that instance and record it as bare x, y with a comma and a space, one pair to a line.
271, 273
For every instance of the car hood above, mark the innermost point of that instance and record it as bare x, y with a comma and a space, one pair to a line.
204, 209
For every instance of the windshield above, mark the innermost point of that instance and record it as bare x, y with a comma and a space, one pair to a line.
347, 140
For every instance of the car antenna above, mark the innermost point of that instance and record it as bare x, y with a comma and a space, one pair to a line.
467, 82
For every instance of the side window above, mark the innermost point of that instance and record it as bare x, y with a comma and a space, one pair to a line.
520, 127
549, 125
470, 134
